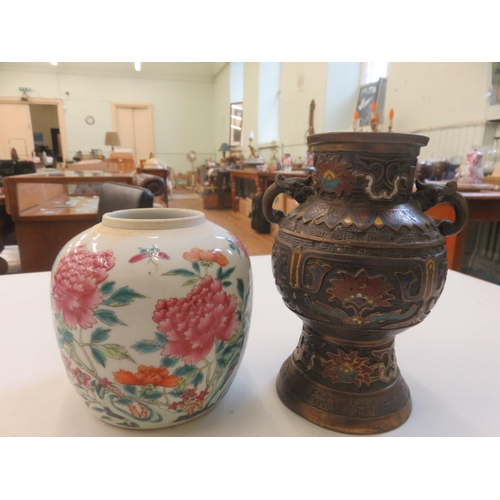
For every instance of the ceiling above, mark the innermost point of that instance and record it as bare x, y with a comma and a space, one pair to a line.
156, 70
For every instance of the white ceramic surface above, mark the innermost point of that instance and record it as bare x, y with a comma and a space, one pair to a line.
151, 310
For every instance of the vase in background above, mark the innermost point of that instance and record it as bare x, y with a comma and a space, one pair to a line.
151, 310
359, 262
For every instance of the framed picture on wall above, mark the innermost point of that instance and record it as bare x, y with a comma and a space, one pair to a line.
236, 124
372, 92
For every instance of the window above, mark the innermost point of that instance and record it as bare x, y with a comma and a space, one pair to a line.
236, 121
236, 72
269, 101
373, 71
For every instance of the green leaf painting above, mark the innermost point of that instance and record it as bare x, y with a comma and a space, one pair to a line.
99, 335
114, 351
122, 297
146, 346
108, 317
180, 272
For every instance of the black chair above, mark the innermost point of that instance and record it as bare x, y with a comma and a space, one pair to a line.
7, 229
118, 196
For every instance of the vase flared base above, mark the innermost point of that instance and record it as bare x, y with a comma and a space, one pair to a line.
347, 412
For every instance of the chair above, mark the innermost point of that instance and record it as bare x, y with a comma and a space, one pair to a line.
163, 173
118, 196
152, 182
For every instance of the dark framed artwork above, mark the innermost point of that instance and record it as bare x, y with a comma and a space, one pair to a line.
236, 124
371, 92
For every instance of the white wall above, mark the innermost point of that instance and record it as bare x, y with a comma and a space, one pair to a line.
342, 89
183, 111
301, 82
425, 95
426, 98
445, 101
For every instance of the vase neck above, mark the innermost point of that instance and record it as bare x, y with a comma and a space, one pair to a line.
364, 177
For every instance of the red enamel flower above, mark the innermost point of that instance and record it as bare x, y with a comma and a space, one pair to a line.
361, 292
75, 292
347, 368
191, 324
333, 176
191, 401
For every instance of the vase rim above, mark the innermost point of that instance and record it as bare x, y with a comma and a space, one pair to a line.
153, 218
368, 137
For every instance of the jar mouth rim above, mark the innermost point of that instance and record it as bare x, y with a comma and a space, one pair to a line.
153, 218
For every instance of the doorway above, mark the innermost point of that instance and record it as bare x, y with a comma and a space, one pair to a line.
23, 125
134, 124
46, 132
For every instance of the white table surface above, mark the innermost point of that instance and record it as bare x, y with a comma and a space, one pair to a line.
451, 362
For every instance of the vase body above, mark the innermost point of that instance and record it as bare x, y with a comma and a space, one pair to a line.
151, 309
359, 261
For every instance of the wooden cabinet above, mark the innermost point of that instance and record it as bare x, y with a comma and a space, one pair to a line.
48, 209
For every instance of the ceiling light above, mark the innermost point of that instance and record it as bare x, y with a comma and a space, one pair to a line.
53, 64
137, 66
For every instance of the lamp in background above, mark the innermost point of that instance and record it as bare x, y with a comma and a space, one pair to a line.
112, 140
224, 147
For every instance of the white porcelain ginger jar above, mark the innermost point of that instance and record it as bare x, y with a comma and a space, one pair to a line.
151, 310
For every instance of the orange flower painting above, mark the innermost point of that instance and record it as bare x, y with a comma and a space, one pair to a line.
147, 375
196, 254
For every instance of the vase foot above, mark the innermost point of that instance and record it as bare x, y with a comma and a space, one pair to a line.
371, 412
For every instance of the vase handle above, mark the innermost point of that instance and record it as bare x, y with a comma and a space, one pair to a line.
429, 195
296, 187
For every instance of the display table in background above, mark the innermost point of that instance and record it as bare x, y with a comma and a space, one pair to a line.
49, 208
450, 361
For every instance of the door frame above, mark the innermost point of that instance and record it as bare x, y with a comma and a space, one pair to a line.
60, 116
138, 105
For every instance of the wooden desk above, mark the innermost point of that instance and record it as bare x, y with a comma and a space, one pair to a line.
48, 211
483, 206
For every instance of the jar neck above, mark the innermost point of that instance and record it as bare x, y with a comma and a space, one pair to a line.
153, 218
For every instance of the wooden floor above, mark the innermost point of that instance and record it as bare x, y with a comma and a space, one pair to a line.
236, 223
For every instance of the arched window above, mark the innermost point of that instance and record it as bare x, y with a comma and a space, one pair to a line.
269, 101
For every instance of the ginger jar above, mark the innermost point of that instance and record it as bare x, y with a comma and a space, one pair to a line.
151, 310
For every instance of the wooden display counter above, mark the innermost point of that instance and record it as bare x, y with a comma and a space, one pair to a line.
484, 206
48, 209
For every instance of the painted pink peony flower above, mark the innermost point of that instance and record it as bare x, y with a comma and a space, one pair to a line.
75, 291
192, 324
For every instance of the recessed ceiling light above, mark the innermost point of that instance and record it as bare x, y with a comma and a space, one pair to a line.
137, 66
53, 64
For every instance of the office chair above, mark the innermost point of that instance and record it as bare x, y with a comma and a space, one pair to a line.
118, 196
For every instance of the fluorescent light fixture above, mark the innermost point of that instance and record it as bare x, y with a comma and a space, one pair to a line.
53, 64
236, 127
234, 106
237, 117
137, 66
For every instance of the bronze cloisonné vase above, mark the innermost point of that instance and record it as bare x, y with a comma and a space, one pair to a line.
358, 261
